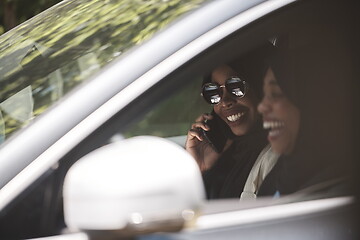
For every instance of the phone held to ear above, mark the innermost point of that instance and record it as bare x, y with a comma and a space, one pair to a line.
216, 136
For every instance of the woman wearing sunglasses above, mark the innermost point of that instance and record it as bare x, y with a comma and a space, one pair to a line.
233, 90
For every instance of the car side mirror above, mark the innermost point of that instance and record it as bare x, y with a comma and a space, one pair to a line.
141, 184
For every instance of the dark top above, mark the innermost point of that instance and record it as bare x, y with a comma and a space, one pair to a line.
226, 179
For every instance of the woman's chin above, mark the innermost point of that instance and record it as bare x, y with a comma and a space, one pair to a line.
239, 131
280, 148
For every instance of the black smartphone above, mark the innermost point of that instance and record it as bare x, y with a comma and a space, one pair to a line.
218, 133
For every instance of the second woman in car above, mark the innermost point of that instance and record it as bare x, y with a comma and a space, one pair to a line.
301, 120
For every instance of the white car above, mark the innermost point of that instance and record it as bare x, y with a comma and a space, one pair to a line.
96, 98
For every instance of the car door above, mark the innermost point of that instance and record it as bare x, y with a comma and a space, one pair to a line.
141, 105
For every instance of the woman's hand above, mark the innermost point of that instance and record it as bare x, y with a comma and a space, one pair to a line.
198, 147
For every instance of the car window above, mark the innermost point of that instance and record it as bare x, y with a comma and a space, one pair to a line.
173, 117
46, 57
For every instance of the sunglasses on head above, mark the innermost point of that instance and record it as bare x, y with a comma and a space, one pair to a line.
212, 92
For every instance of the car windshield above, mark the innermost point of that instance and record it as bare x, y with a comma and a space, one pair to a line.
47, 56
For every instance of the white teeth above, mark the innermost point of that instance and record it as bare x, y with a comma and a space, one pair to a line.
235, 117
274, 133
277, 124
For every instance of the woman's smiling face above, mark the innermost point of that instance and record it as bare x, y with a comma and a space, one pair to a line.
280, 116
239, 113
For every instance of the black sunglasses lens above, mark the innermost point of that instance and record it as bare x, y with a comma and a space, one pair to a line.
211, 93
236, 87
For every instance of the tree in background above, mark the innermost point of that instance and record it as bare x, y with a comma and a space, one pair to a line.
14, 12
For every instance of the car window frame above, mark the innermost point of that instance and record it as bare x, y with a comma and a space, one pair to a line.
108, 87
50, 157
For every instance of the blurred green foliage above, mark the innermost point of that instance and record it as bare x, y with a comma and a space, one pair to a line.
73, 34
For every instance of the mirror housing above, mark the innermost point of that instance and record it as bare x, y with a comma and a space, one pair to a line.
141, 184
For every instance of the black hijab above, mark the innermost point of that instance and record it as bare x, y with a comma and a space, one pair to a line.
312, 76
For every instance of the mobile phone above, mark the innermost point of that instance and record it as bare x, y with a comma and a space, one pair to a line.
218, 133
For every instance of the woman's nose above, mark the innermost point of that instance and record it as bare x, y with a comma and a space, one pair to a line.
263, 107
227, 99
